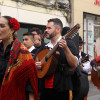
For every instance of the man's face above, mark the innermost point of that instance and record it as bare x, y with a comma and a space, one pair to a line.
37, 39
50, 30
35, 35
80, 46
28, 41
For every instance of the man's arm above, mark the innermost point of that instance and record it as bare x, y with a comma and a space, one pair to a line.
72, 60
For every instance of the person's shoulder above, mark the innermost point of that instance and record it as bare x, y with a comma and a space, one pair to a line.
83, 54
72, 47
24, 53
45, 45
70, 43
22, 47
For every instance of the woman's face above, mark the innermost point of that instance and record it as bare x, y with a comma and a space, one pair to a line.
5, 30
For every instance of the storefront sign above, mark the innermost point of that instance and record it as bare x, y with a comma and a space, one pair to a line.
97, 2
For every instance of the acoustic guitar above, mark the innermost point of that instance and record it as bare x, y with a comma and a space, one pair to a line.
95, 73
48, 58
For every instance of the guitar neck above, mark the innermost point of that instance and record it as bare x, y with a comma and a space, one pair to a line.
66, 36
51, 52
71, 32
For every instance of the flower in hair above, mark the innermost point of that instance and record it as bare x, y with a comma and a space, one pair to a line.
15, 24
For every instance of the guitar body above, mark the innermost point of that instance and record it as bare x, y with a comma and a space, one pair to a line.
95, 78
49, 66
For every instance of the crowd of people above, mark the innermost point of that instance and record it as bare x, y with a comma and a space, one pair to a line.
35, 70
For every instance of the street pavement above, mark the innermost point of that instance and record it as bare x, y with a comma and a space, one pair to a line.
94, 93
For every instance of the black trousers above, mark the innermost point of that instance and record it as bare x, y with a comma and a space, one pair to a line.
51, 94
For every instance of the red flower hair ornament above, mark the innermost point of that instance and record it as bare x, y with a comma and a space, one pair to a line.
15, 24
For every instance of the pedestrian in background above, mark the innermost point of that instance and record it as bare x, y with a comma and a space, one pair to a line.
38, 38
28, 41
84, 58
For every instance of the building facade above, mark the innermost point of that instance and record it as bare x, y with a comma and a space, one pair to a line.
87, 14
34, 13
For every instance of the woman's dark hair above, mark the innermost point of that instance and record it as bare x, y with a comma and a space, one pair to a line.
8, 19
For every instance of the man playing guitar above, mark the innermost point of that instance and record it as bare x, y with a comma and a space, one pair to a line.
57, 85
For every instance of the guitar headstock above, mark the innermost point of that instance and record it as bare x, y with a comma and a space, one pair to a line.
72, 32
78, 26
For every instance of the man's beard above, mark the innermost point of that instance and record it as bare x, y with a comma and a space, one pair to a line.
52, 35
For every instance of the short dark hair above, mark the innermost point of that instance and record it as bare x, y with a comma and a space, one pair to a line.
38, 31
28, 34
56, 22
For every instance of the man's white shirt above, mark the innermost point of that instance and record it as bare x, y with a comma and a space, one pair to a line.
32, 48
50, 45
